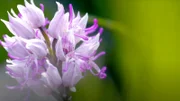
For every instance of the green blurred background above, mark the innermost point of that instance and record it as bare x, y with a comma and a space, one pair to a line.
141, 38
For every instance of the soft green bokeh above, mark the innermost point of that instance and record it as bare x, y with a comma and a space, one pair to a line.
150, 60
142, 43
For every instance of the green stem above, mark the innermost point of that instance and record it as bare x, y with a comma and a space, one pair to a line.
48, 43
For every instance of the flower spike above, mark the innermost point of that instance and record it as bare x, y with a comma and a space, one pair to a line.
51, 59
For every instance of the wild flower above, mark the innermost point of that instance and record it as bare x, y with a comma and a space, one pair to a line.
48, 59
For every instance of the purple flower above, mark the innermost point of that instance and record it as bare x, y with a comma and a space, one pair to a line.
51, 60
15, 47
37, 47
32, 14
18, 27
58, 23
71, 73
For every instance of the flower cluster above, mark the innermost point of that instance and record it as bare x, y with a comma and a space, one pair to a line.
49, 56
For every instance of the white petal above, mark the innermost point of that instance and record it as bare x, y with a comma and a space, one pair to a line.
15, 47
56, 23
22, 9
68, 75
32, 14
26, 3
65, 22
20, 28
32, 2
71, 39
37, 47
68, 42
89, 47
77, 75
9, 26
72, 76
60, 6
16, 67
59, 50
38, 87
53, 77
14, 14
83, 21
35, 16
77, 19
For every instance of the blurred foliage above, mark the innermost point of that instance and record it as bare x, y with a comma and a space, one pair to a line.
142, 45
150, 57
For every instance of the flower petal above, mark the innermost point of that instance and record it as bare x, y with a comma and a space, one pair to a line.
72, 75
52, 76
56, 23
59, 50
20, 28
83, 22
32, 14
37, 47
15, 47
89, 47
39, 87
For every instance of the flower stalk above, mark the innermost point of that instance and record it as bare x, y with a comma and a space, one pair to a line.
48, 43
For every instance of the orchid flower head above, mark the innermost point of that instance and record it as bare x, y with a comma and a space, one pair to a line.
51, 59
